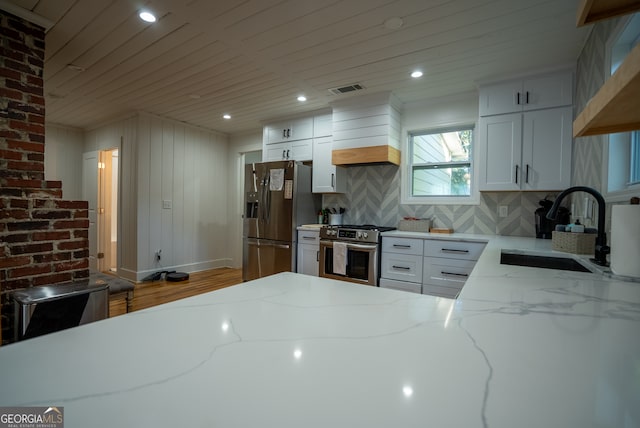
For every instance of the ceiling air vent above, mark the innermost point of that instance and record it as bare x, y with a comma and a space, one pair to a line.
345, 89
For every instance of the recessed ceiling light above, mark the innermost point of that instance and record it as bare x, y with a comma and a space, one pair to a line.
226, 116
75, 68
416, 74
302, 98
393, 23
147, 16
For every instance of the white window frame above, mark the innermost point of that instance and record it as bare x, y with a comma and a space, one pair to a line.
609, 153
407, 170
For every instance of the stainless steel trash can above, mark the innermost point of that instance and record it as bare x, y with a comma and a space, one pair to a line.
46, 309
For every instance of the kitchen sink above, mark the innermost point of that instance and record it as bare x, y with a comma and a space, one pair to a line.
545, 262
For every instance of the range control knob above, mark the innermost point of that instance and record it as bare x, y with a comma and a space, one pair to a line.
365, 235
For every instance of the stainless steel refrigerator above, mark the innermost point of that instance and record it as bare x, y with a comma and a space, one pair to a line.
277, 199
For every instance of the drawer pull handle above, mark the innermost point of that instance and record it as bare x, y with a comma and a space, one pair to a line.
450, 250
453, 273
401, 267
309, 237
401, 246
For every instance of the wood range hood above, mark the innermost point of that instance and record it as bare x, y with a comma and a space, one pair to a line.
366, 130
376, 155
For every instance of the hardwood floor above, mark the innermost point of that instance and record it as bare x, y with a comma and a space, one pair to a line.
148, 294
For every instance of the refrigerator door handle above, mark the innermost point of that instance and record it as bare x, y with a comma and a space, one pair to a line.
267, 243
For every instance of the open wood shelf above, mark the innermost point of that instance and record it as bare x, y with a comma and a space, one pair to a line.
591, 11
616, 106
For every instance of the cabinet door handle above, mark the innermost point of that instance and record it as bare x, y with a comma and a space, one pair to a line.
288, 154
401, 246
284, 133
317, 256
526, 100
284, 154
332, 180
526, 179
309, 237
517, 167
401, 267
453, 273
455, 251
288, 132
518, 98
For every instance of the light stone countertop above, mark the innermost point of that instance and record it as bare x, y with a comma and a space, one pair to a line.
310, 227
521, 347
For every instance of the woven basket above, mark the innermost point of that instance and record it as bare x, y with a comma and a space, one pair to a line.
576, 243
414, 225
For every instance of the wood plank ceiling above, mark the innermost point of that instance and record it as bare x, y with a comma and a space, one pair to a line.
252, 58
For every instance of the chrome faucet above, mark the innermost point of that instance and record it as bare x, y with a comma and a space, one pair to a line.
602, 249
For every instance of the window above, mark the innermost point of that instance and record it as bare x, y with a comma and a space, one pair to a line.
441, 164
623, 150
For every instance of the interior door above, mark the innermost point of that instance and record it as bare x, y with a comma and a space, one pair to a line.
90, 193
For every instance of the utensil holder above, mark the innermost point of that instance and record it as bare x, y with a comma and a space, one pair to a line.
335, 219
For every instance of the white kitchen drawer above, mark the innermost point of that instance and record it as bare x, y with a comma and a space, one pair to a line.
411, 287
453, 249
403, 267
436, 290
402, 246
309, 237
446, 272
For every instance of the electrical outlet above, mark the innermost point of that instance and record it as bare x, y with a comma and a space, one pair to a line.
503, 211
158, 255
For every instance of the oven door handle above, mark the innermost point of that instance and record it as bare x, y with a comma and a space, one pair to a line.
370, 247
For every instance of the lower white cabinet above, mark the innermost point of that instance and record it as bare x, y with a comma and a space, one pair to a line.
401, 264
428, 266
308, 252
445, 277
411, 287
447, 265
402, 267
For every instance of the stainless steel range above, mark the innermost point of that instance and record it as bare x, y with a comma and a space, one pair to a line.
351, 253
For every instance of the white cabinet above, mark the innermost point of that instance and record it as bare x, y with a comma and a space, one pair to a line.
539, 92
447, 265
524, 135
301, 150
327, 178
289, 130
308, 252
526, 151
428, 266
401, 264
322, 125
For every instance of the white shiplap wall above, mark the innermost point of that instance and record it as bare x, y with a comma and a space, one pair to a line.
63, 150
188, 167
164, 160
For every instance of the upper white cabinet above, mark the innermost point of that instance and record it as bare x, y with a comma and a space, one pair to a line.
528, 148
322, 125
301, 150
530, 151
546, 91
290, 130
327, 178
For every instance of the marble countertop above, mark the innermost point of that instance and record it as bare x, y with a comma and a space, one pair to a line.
521, 347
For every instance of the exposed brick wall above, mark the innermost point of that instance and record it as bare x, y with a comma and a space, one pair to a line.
43, 239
